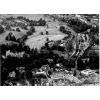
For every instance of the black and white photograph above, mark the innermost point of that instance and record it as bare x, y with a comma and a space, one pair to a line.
49, 49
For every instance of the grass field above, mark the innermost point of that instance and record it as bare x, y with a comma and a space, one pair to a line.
39, 41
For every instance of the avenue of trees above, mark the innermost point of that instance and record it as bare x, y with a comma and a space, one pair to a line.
40, 22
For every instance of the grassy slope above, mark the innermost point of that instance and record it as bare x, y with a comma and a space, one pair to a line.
37, 41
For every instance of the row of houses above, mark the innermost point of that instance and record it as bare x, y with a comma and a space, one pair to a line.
17, 54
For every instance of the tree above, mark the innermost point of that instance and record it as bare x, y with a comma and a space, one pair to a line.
6, 38
8, 27
42, 22
29, 33
11, 37
1, 29
23, 26
32, 29
47, 32
47, 39
23, 38
41, 33
17, 29
46, 45
62, 28
35, 51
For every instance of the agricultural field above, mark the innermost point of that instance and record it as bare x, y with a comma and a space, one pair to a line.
49, 49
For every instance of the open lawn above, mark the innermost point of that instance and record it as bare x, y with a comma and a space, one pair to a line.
39, 41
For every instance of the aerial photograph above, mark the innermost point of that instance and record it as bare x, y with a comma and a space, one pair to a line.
49, 49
